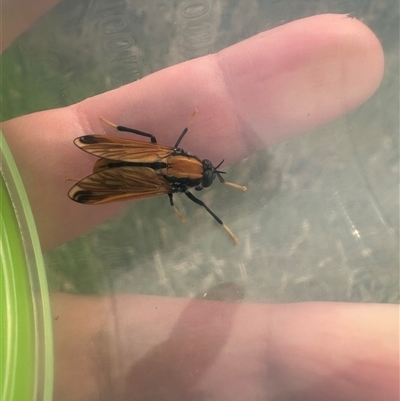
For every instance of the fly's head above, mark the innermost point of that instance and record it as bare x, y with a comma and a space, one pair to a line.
209, 174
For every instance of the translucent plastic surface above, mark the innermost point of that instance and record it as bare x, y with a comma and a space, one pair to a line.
26, 345
320, 219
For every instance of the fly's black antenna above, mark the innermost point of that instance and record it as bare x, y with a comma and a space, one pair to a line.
219, 165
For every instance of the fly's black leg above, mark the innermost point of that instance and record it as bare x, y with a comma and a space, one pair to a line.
201, 203
195, 111
136, 131
171, 201
230, 184
180, 138
131, 130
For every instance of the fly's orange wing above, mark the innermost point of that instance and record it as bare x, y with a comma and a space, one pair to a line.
119, 183
124, 149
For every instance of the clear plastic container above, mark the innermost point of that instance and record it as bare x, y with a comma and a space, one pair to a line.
319, 221
26, 371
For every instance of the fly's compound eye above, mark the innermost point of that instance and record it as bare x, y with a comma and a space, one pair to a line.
208, 173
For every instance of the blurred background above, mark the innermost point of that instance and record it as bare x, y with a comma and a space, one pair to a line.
320, 219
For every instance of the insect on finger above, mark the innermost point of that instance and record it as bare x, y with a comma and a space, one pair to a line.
133, 169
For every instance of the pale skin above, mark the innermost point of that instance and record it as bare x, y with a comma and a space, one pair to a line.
182, 349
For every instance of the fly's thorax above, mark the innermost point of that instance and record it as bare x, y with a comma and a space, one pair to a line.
183, 167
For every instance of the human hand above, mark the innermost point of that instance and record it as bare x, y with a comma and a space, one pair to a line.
269, 88
130, 347
248, 97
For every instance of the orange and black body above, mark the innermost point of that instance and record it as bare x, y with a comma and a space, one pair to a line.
132, 169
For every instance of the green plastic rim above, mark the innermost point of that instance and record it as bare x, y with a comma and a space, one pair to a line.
26, 338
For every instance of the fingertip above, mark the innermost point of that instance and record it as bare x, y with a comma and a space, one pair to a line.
303, 74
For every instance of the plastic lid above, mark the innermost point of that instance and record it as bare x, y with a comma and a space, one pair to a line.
26, 339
